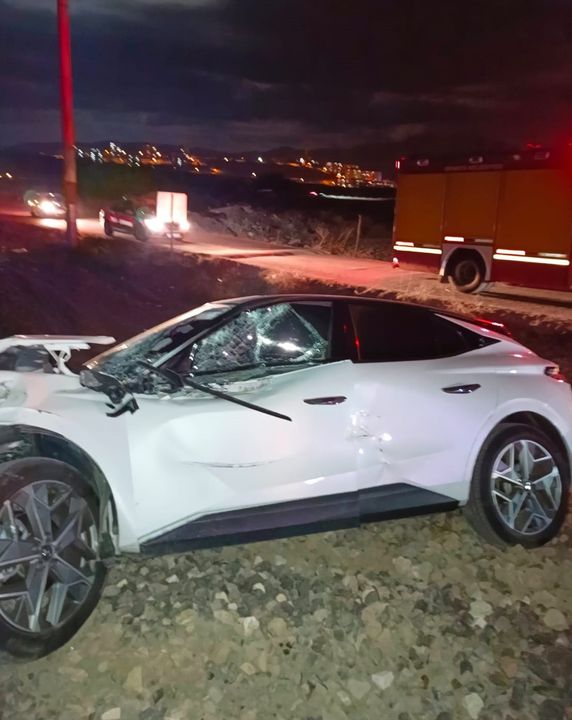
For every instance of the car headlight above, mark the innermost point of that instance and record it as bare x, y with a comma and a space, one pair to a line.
47, 206
185, 225
154, 224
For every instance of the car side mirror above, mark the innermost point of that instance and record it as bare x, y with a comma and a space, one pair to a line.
121, 400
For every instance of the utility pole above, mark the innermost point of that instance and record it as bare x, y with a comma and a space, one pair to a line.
358, 233
68, 135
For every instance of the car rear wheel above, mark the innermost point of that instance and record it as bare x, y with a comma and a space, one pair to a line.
108, 228
520, 487
50, 575
468, 274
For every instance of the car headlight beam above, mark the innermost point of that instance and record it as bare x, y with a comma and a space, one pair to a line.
154, 224
47, 206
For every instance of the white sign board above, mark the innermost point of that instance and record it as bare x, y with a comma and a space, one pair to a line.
171, 207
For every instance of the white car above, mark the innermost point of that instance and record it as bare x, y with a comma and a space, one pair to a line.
46, 205
262, 417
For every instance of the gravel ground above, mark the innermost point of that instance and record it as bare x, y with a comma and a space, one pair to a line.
406, 619
411, 619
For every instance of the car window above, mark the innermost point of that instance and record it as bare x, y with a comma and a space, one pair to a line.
123, 206
392, 332
272, 338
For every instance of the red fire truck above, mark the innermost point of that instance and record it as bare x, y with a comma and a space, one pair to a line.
479, 220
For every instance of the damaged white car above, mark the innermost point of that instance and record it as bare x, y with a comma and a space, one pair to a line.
261, 417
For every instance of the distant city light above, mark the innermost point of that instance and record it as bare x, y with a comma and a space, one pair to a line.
333, 173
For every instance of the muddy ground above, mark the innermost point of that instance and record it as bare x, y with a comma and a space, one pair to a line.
406, 620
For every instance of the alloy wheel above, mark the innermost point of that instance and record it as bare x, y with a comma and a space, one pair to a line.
48, 555
526, 487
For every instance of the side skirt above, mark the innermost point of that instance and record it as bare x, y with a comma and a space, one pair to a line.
300, 517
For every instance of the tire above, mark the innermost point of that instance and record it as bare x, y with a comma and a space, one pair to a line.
468, 274
140, 233
51, 560
486, 509
108, 228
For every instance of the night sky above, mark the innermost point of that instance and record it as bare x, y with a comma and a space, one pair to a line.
239, 74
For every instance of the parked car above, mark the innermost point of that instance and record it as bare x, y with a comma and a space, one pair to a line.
125, 216
260, 417
45, 204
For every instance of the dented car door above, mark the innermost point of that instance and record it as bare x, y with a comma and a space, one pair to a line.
194, 455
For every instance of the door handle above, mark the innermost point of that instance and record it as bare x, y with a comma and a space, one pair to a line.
331, 400
461, 389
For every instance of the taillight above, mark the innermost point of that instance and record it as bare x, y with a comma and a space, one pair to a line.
554, 372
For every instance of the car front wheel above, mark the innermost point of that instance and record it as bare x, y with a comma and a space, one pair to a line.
50, 575
520, 486
108, 228
140, 232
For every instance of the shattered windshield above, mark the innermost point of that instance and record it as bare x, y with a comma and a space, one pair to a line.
275, 337
158, 344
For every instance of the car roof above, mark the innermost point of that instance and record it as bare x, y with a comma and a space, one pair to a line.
257, 300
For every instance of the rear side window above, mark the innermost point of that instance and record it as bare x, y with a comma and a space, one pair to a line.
392, 333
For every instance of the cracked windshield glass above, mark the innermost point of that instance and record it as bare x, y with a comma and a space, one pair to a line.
157, 345
271, 339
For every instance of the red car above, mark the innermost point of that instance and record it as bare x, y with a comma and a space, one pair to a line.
141, 221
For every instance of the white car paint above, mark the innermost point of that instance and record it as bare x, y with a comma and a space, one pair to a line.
254, 460
183, 456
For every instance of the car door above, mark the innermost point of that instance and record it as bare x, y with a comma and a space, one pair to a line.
422, 393
193, 455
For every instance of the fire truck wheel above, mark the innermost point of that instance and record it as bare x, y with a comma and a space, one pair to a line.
467, 274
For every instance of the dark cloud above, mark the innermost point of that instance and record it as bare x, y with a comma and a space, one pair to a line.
296, 71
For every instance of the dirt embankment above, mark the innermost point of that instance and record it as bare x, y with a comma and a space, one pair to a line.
323, 231
117, 287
